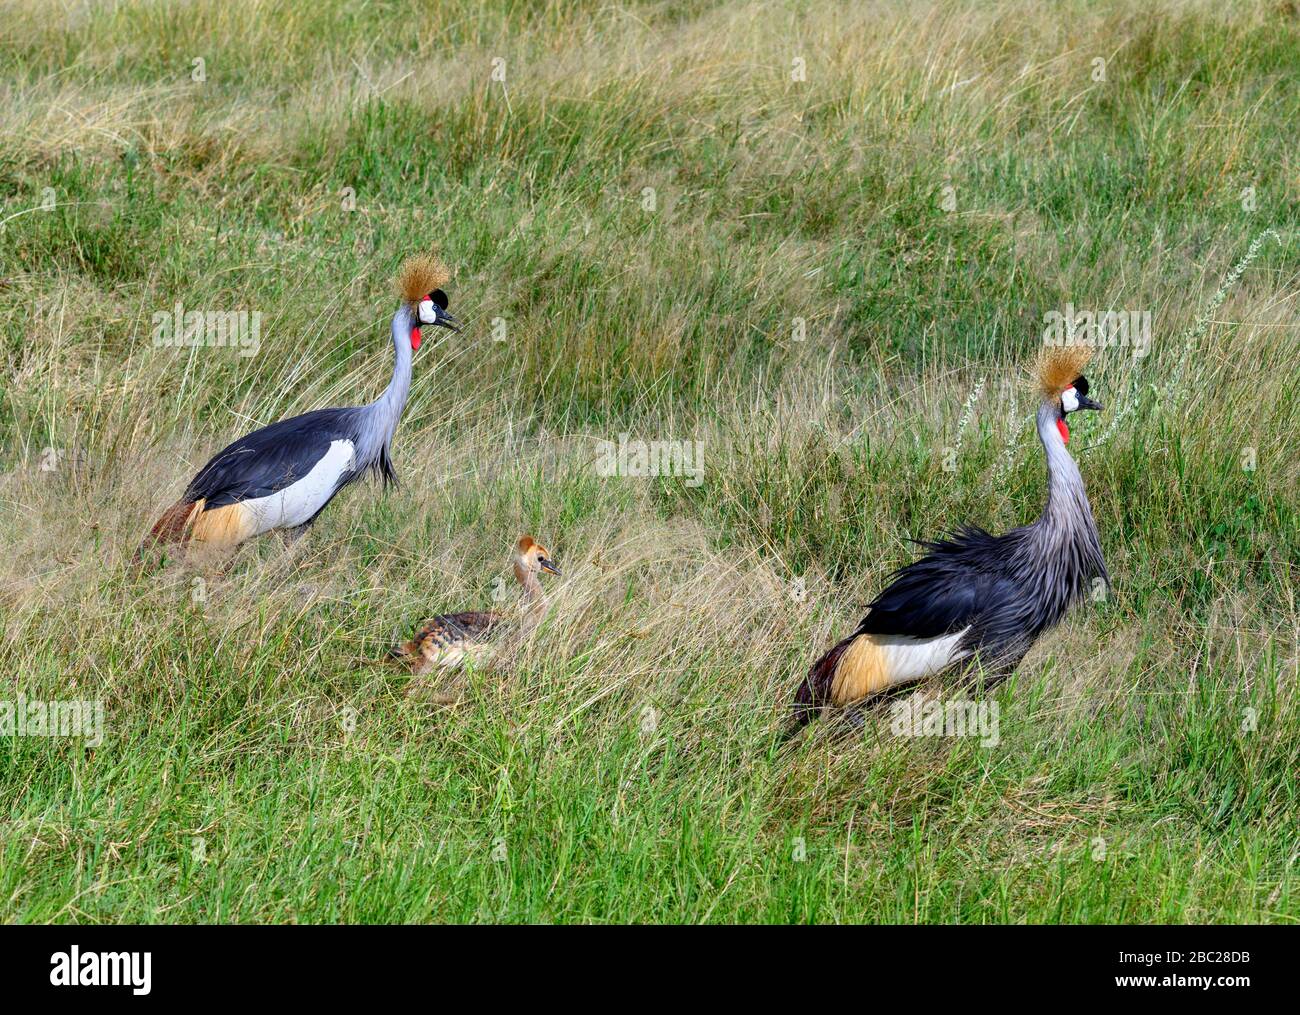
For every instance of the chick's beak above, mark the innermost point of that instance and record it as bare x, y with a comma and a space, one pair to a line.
548, 566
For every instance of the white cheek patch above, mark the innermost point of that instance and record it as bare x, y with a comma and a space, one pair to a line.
428, 312
1069, 399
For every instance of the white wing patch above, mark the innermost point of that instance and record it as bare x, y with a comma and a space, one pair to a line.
911, 659
300, 501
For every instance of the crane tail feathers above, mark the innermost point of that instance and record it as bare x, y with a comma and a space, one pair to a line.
190, 521
814, 693
174, 526
854, 669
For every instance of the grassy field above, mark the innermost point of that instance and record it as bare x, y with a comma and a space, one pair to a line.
819, 238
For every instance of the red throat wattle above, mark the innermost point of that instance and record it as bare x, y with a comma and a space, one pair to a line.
1065, 431
415, 339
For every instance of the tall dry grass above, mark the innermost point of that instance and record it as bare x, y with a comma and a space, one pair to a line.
627, 753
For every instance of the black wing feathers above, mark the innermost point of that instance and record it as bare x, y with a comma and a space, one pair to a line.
268, 460
384, 466
945, 590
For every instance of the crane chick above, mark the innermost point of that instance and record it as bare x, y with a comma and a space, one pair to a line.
450, 640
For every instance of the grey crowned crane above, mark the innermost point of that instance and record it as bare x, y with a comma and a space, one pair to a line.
449, 640
283, 475
975, 598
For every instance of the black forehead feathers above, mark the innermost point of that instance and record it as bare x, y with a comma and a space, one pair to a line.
1081, 384
440, 298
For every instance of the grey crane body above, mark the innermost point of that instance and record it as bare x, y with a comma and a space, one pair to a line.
1006, 590
283, 475
275, 457
974, 596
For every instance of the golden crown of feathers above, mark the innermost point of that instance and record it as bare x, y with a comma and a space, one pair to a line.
420, 275
1058, 366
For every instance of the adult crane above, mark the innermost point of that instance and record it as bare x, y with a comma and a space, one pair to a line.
976, 597
283, 475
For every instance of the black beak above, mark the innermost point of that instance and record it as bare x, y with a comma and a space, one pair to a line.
445, 320
1087, 403
546, 565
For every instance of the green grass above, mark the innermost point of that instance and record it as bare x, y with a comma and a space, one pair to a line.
624, 762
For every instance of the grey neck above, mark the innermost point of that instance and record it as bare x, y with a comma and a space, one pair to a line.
1065, 493
1066, 522
382, 415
